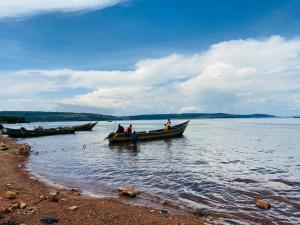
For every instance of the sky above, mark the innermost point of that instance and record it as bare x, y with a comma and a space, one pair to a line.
125, 57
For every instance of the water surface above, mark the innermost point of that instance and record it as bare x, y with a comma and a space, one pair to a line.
219, 164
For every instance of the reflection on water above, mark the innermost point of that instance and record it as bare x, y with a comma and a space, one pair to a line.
220, 164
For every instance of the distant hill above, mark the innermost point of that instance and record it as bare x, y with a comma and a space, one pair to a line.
12, 119
193, 116
35, 116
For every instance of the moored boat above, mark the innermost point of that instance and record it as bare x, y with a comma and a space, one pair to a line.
85, 127
24, 133
175, 131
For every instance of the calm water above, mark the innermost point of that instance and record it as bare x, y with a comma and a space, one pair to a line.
219, 164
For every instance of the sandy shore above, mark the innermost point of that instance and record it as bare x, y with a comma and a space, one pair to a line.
90, 211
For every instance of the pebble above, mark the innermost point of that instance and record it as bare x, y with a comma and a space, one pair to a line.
15, 206
22, 205
73, 208
163, 211
11, 194
42, 197
54, 193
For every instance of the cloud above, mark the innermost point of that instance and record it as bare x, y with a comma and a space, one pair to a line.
20, 8
238, 76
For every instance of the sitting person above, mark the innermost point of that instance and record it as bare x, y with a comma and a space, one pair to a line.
134, 138
128, 130
120, 129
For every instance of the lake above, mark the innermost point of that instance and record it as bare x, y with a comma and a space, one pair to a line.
220, 165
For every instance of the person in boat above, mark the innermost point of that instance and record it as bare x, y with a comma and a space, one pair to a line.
166, 128
134, 138
169, 124
120, 129
128, 130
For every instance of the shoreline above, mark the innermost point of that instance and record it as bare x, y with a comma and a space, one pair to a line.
71, 207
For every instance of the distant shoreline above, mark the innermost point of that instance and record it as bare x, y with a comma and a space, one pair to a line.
36, 116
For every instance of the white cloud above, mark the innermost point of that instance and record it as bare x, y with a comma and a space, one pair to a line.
190, 109
20, 8
239, 76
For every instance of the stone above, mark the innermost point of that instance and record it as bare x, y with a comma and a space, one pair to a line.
11, 195
54, 193
10, 222
15, 206
63, 200
5, 210
3, 147
49, 220
200, 212
163, 211
23, 205
163, 202
54, 198
42, 197
77, 193
128, 191
73, 208
22, 150
262, 203
74, 189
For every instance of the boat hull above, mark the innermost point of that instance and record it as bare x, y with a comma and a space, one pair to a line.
176, 131
85, 127
24, 133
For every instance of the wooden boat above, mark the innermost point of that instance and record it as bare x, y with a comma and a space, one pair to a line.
24, 133
85, 127
176, 131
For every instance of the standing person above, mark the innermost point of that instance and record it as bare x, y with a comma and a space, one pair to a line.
166, 128
169, 124
128, 130
120, 129
134, 138
1, 128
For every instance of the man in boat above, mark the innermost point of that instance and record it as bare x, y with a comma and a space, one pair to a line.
128, 130
120, 129
169, 124
134, 138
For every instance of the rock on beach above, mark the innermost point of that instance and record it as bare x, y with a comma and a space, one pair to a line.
128, 191
262, 203
10, 195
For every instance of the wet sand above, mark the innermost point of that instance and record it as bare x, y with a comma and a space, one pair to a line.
90, 211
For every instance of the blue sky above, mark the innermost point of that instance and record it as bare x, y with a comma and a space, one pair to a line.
118, 36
